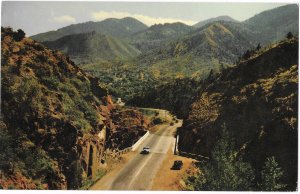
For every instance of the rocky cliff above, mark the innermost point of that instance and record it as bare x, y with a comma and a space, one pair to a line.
55, 118
257, 102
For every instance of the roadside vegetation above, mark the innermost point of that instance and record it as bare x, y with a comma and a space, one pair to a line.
226, 171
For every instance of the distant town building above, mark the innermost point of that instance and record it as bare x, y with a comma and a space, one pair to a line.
119, 102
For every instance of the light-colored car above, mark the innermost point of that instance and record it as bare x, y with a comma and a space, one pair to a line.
146, 150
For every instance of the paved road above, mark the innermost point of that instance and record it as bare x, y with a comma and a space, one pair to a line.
139, 172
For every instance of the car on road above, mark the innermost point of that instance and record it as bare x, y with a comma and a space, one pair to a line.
145, 150
177, 165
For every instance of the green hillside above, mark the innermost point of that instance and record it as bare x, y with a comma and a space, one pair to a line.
274, 24
93, 47
198, 52
115, 27
157, 35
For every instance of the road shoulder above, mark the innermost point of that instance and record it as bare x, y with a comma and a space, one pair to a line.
167, 179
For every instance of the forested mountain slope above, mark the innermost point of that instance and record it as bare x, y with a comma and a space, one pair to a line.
158, 35
256, 101
273, 25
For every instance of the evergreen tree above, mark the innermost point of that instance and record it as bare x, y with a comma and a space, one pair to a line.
246, 55
289, 35
19, 35
258, 47
225, 171
271, 175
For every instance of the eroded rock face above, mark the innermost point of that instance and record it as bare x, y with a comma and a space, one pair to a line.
257, 102
129, 126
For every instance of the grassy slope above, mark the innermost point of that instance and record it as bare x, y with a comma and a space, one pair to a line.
93, 47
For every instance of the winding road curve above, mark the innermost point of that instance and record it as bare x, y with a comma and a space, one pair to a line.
139, 172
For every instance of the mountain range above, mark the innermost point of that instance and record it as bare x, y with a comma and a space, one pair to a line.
168, 51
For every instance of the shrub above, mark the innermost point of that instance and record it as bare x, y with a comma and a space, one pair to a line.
76, 181
10, 187
52, 82
157, 121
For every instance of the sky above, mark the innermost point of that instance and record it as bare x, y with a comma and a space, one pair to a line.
41, 16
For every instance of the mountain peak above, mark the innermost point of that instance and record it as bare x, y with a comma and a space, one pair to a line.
219, 18
129, 19
174, 25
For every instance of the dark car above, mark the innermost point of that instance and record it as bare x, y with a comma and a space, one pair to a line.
177, 165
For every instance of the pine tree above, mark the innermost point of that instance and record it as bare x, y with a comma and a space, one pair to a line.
224, 171
19, 35
271, 175
258, 47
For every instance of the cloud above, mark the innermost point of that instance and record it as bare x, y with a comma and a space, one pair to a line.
101, 15
64, 19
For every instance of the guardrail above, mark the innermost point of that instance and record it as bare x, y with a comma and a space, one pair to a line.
123, 151
117, 153
134, 146
194, 156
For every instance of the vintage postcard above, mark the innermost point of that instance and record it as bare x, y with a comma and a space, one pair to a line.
159, 96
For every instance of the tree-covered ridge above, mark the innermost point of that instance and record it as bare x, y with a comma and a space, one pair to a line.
93, 47
158, 35
216, 19
273, 24
115, 27
257, 101
199, 51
